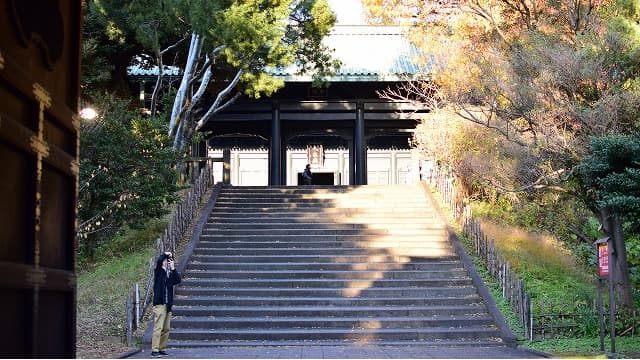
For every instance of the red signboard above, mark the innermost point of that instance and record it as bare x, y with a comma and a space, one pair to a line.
603, 259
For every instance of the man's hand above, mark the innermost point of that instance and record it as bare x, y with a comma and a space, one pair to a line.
172, 265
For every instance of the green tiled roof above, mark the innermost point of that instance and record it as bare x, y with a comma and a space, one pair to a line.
367, 53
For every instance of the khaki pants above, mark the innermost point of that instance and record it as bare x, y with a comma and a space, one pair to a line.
161, 322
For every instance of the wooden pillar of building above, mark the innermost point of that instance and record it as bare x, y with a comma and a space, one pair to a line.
360, 147
275, 152
226, 166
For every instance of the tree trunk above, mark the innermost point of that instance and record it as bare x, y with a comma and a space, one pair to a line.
612, 228
156, 89
185, 84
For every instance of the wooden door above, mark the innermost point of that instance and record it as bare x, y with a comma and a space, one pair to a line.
39, 89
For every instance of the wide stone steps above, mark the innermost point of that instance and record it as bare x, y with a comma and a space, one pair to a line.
345, 259
325, 274
322, 265
300, 211
322, 283
221, 241
337, 342
195, 322
423, 251
313, 218
257, 226
325, 301
416, 334
353, 291
355, 232
324, 310
330, 266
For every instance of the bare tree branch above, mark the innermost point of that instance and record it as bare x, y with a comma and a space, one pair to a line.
549, 181
216, 107
171, 47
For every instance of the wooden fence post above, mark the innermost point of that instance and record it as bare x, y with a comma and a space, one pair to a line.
129, 320
137, 292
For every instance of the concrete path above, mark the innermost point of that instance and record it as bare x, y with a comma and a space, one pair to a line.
347, 352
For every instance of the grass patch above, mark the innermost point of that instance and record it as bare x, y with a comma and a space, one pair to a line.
102, 294
626, 347
549, 270
550, 273
103, 288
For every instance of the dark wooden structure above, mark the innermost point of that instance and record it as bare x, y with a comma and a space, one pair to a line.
348, 114
39, 90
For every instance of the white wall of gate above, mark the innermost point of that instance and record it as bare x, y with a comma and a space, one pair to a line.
251, 167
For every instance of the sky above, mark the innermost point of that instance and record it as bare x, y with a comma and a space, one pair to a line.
349, 12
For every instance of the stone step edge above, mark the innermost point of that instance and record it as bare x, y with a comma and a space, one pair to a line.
297, 308
311, 298
311, 319
339, 343
429, 330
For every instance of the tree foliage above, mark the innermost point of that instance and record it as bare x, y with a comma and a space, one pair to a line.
547, 76
126, 175
611, 173
235, 46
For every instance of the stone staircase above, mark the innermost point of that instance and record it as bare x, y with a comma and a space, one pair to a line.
327, 266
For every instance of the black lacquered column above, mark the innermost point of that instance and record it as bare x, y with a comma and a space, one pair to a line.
275, 153
360, 147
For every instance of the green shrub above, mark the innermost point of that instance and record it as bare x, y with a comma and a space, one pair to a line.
126, 175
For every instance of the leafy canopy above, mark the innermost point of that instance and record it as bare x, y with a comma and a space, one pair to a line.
126, 175
611, 173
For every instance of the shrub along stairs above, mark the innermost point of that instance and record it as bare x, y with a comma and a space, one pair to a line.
327, 266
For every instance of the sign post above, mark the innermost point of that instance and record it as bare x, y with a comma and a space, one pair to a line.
603, 253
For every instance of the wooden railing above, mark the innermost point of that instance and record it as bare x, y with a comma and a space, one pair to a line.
539, 319
180, 219
512, 287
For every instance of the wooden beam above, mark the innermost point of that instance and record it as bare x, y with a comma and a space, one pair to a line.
243, 117
393, 106
321, 116
318, 106
394, 116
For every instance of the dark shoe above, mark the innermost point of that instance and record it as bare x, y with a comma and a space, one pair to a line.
155, 354
163, 353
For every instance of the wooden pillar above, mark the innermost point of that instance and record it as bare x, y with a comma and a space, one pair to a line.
360, 147
226, 166
275, 153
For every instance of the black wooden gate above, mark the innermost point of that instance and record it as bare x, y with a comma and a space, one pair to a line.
39, 89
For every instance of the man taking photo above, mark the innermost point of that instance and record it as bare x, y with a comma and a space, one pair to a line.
165, 277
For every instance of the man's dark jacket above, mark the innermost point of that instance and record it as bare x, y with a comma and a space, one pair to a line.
163, 284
